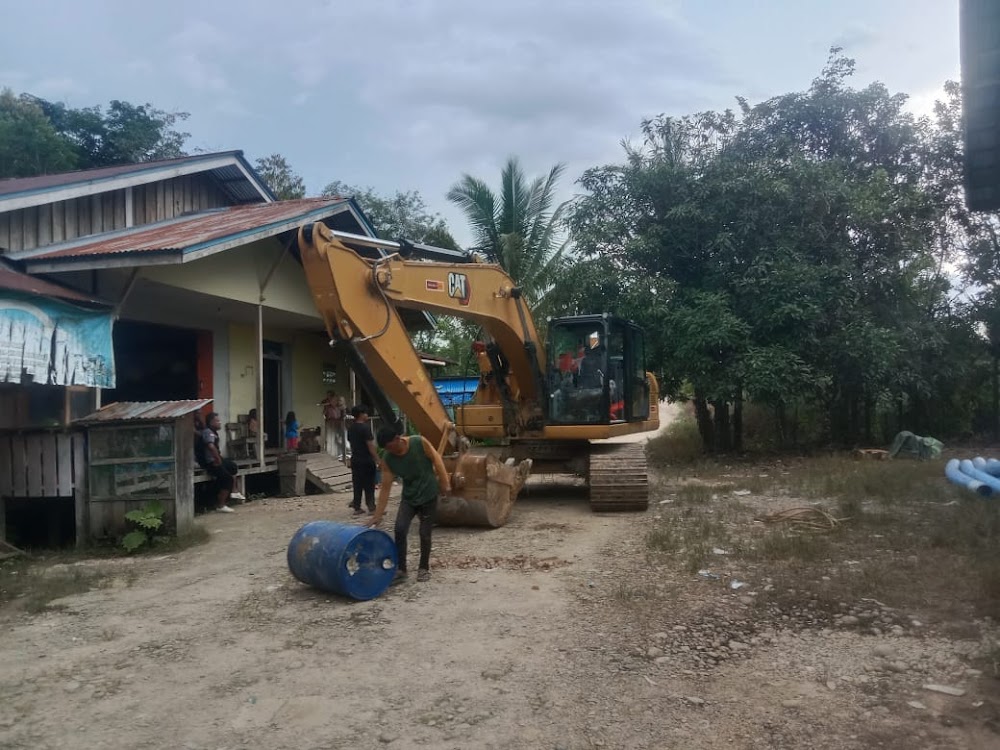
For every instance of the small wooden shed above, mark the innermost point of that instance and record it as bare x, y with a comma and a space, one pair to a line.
138, 452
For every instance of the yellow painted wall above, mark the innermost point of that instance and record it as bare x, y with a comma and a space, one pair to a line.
242, 372
238, 273
306, 352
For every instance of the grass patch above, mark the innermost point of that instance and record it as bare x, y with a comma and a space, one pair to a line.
680, 443
692, 533
626, 592
907, 536
781, 544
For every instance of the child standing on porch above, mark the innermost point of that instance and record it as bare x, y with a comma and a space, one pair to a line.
291, 431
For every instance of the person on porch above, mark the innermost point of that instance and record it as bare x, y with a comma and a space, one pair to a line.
334, 412
221, 469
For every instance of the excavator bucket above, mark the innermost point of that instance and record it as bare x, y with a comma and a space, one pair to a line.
484, 490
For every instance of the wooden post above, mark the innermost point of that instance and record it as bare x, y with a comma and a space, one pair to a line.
80, 494
260, 382
184, 474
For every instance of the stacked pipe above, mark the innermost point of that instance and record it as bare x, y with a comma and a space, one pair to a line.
978, 475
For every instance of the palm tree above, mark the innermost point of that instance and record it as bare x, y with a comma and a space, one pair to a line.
519, 230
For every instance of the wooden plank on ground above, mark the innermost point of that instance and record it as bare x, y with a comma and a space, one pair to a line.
328, 476
8, 550
33, 457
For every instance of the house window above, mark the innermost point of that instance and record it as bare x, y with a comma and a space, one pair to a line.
46, 405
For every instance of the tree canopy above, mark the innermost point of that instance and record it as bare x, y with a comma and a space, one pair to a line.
279, 176
41, 137
402, 215
520, 228
795, 254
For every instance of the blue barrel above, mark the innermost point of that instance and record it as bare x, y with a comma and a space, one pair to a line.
352, 561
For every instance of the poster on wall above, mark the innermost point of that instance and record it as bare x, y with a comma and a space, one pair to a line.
50, 342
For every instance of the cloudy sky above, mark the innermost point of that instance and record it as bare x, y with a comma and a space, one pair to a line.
409, 94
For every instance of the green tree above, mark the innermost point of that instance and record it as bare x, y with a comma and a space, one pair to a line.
519, 228
124, 133
29, 144
279, 176
795, 254
403, 215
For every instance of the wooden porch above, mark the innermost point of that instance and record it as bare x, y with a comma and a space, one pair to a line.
246, 466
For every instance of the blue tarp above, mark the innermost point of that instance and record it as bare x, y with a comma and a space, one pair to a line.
54, 343
455, 390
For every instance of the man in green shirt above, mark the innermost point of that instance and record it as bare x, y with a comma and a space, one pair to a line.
415, 461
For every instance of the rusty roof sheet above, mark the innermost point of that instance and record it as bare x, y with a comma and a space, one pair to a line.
12, 185
138, 411
15, 281
194, 232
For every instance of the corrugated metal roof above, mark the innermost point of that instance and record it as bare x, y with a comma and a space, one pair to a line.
15, 281
195, 231
13, 185
134, 411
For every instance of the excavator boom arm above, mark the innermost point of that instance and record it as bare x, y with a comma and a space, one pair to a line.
359, 298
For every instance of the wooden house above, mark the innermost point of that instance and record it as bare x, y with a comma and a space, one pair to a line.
186, 270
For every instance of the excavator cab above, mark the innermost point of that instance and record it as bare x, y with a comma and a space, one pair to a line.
596, 371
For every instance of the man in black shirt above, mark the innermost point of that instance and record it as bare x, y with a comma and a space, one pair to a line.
364, 459
206, 453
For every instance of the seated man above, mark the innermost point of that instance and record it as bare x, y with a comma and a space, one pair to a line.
224, 471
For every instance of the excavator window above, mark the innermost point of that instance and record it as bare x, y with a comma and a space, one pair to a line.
596, 371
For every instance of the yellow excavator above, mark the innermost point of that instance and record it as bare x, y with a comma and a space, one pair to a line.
536, 408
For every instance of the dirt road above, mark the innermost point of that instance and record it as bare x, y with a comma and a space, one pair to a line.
553, 632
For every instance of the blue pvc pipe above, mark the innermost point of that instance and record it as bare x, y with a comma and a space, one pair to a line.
968, 469
955, 474
987, 465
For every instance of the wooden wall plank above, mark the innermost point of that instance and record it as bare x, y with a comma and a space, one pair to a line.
71, 223
16, 231
83, 221
150, 204
161, 197
44, 225
19, 470
64, 465
108, 207
33, 457
58, 221
50, 465
119, 208
187, 181
4, 232
168, 199
30, 228
6, 469
96, 215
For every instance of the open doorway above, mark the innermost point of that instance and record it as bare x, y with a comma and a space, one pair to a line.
273, 395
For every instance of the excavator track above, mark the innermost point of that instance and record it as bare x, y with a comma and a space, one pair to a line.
618, 477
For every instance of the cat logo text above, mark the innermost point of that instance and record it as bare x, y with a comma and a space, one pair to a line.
459, 287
